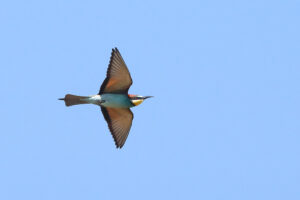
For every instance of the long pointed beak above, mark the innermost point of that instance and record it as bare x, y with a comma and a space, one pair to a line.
146, 97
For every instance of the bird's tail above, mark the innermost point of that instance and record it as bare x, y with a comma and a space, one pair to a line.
71, 100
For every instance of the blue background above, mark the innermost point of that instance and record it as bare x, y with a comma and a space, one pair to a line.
224, 123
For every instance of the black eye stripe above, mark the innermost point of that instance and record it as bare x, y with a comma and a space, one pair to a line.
135, 98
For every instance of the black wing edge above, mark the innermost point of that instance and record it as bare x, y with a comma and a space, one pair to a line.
102, 88
108, 120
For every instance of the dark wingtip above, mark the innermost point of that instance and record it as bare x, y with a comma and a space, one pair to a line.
61, 99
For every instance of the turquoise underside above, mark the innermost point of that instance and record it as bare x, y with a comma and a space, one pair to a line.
116, 101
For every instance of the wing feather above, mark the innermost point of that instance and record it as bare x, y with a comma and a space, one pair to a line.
119, 122
118, 79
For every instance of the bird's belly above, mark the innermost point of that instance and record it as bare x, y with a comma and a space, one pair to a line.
116, 101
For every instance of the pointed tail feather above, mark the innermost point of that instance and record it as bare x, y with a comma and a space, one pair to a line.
71, 100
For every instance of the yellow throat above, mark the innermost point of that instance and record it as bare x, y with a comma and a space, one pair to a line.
137, 102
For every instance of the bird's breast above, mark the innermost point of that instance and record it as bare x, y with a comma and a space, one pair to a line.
116, 101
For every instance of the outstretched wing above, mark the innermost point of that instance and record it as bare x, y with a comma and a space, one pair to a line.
118, 79
119, 121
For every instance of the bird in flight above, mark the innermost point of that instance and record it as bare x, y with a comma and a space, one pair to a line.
113, 99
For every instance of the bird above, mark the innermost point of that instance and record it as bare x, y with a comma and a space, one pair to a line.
113, 99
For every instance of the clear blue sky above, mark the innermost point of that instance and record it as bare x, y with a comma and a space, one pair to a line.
224, 123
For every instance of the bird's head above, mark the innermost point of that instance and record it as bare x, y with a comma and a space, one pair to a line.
137, 99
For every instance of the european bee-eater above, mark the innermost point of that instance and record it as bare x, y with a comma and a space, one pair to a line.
113, 98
